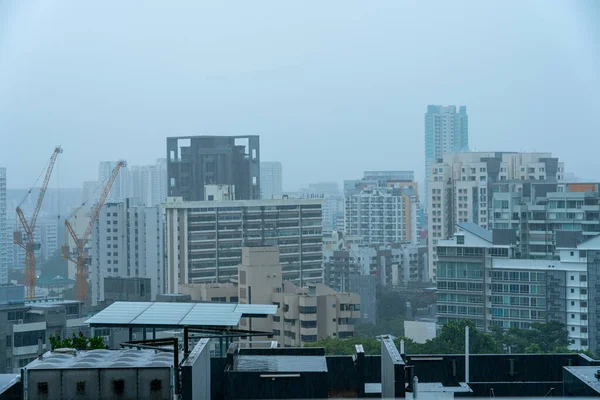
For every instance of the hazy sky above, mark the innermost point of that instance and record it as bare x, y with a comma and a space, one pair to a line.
333, 88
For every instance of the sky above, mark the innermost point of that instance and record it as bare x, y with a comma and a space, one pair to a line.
332, 88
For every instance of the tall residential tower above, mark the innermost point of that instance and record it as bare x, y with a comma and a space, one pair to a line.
446, 131
270, 180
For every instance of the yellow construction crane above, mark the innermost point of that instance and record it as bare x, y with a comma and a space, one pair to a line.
28, 243
80, 257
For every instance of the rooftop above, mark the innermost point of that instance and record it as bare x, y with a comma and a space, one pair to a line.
239, 203
130, 358
298, 363
586, 375
477, 231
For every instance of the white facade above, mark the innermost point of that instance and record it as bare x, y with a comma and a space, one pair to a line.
148, 183
4, 235
127, 242
459, 188
271, 182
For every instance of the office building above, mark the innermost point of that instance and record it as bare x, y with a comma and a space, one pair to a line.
120, 188
382, 207
118, 288
127, 242
4, 235
196, 161
205, 238
479, 279
461, 187
446, 131
538, 210
271, 186
23, 322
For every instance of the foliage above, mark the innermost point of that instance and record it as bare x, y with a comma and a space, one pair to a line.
78, 342
551, 337
395, 327
55, 265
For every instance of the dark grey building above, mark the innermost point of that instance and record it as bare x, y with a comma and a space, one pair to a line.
118, 288
196, 161
366, 287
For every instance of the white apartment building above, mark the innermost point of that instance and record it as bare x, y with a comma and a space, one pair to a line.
460, 188
271, 181
204, 239
127, 242
148, 183
4, 235
479, 280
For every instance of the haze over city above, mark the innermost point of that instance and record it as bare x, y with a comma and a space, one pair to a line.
332, 88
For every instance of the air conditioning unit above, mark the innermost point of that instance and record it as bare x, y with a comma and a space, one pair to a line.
20, 321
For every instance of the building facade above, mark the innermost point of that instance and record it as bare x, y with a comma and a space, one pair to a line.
4, 236
461, 186
382, 207
446, 131
479, 279
271, 181
204, 239
120, 188
196, 161
148, 183
127, 242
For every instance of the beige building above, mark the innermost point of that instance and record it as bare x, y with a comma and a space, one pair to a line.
304, 315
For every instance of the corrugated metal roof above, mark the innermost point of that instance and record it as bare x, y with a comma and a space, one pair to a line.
131, 358
168, 314
281, 363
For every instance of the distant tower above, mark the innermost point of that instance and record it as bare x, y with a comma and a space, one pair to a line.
270, 180
446, 131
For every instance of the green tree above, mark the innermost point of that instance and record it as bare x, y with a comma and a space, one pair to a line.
78, 342
340, 347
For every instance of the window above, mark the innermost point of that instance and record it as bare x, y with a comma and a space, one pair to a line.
584, 317
572, 316
460, 239
583, 304
583, 278
583, 291
572, 303
584, 342
8, 340
29, 338
42, 388
308, 310
572, 276
572, 290
308, 324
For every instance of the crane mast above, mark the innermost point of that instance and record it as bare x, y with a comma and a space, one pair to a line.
80, 256
28, 243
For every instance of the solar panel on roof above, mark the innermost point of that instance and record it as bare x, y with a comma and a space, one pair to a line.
178, 314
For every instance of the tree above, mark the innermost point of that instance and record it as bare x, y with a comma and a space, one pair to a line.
340, 347
78, 342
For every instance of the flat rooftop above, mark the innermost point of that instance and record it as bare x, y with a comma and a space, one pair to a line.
586, 375
94, 359
151, 314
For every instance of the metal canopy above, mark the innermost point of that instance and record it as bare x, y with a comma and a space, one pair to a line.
177, 315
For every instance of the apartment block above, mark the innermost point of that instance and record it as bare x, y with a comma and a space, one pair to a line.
539, 210
120, 188
461, 186
382, 207
22, 323
271, 181
196, 161
4, 235
204, 239
479, 279
446, 131
127, 242
148, 183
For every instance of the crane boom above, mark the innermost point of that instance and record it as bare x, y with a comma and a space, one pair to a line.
29, 228
81, 257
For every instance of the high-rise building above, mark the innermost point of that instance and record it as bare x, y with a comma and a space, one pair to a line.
271, 186
120, 187
461, 187
127, 242
4, 237
382, 207
479, 279
446, 131
205, 238
148, 183
196, 161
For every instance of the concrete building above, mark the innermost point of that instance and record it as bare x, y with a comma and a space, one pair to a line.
126, 289
23, 322
366, 287
214, 292
120, 188
127, 242
204, 239
271, 181
461, 186
382, 207
538, 211
148, 183
4, 235
446, 131
196, 161
479, 279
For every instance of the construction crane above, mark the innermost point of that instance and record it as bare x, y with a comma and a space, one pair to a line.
80, 257
28, 243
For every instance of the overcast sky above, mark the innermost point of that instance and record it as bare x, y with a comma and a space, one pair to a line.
333, 88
